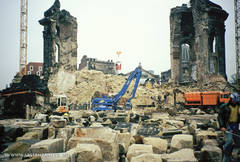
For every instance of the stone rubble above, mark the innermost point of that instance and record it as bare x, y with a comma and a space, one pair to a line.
162, 133
110, 136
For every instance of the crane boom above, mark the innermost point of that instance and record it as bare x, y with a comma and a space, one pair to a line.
106, 103
237, 38
23, 36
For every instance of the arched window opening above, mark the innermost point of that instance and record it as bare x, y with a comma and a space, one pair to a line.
213, 58
56, 53
185, 52
58, 31
214, 45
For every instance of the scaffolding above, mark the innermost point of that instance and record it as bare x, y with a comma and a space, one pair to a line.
23, 37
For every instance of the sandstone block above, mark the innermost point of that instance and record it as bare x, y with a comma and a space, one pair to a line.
176, 123
184, 155
211, 153
124, 141
41, 117
138, 149
48, 146
27, 123
58, 123
96, 124
42, 130
181, 141
87, 152
20, 146
212, 142
51, 132
30, 135
159, 145
146, 157
202, 135
66, 134
106, 139
74, 141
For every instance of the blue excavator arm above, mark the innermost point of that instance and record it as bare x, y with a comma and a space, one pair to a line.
106, 103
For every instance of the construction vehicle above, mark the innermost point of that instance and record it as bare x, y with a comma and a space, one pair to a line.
107, 103
206, 99
62, 105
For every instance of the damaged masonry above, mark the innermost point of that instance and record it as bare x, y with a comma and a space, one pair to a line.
197, 41
53, 119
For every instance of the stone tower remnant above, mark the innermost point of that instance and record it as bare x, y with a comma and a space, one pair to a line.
60, 40
197, 45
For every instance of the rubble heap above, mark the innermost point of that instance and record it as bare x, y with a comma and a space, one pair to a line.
80, 87
132, 136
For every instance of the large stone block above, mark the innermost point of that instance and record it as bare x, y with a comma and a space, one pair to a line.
74, 141
161, 116
106, 139
147, 157
159, 145
181, 141
11, 132
58, 123
211, 153
27, 123
51, 132
138, 149
124, 141
184, 155
203, 135
66, 134
87, 152
48, 146
42, 130
212, 142
30, 135
20, 146
176, 123
41, 117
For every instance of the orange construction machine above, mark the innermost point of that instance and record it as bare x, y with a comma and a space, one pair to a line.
62, 104
212, 98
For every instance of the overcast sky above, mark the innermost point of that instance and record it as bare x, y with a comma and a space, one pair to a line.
138, 28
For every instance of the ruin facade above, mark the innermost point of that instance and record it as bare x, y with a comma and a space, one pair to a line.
197, 41
107, 67
60, 40
165, 76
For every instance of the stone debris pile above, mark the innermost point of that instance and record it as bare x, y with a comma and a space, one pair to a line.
114, 136
81, 86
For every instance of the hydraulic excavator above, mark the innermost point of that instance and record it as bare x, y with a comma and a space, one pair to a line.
106, 103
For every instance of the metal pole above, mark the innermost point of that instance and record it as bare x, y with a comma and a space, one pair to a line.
237, 38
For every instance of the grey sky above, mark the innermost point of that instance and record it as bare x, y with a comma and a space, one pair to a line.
138, 28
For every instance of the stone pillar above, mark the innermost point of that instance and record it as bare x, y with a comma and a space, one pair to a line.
27, 109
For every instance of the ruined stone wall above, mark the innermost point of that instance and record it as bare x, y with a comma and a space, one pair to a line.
107, 67
209, 39
165, 76
182, 32
83, 63
60, 40
197, 41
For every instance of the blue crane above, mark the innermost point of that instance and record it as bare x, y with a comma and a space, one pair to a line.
106, 103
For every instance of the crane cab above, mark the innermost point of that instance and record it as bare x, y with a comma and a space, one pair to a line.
62, 104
